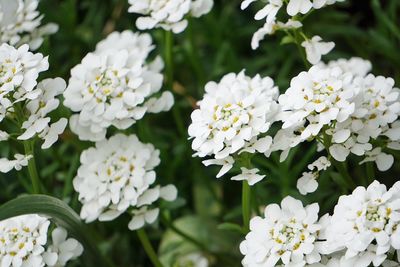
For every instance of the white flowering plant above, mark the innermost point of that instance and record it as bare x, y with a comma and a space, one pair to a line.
199, 133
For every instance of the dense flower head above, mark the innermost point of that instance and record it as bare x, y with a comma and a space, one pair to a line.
26, 102
234, 116
20, 23
24, 242
287, 234
115, 86
366, 223
117, 175
168, 14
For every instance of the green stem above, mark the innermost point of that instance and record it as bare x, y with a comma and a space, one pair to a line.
169, 44
246, 205
148, 248
29, 150
298, 36
195, 59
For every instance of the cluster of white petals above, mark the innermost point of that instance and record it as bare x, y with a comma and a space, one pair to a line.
116, 175
20, 23
24, 243
286, 234
346, 109
365, 225
168, 14
21, 97
307, 183
115, 86
234, 117
314, 47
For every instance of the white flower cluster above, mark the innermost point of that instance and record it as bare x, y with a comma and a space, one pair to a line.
115, 86
24, 243
117, 175
314, 47
21, 97
345, 109
364, 225
20, 23
168, 14
363, 231
234, 117
288, 234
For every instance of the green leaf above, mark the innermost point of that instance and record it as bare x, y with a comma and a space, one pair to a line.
287, 40
62, 215
231, 227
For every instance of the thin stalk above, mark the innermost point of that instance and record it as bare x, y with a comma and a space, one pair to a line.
169, 45
148, 248
246, 205
29, 150
297, 37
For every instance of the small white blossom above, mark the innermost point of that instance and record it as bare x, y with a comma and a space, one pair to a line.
365, 224
288, 233
298, 6
307, 183
20, 23
315, 48
114, 86
168, 14
20, 161
250, 176
355, 65
62, 249
117, 175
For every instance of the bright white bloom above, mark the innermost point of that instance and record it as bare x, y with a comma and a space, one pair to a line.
288, 233
250, 176
168, 14
115, 176
20, 23
232, 116
62, 249
317, 98
23, 241
39, 108
114, 86
20, 161
315, 48
194, 259
307, 183
298, 6
366, 223
355, 65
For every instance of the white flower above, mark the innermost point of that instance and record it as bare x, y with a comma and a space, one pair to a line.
194, 259
23, 240
4, 136
269, 11
19, 70
383, 161
20, 161
365, 224
315, 48
298, 6
115, 176
39, 108
231, 117
113, 86
288, 233
307, 182
317, 98
20, 23
226, 163
62, 249
168, 14
355, 65
250, 176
